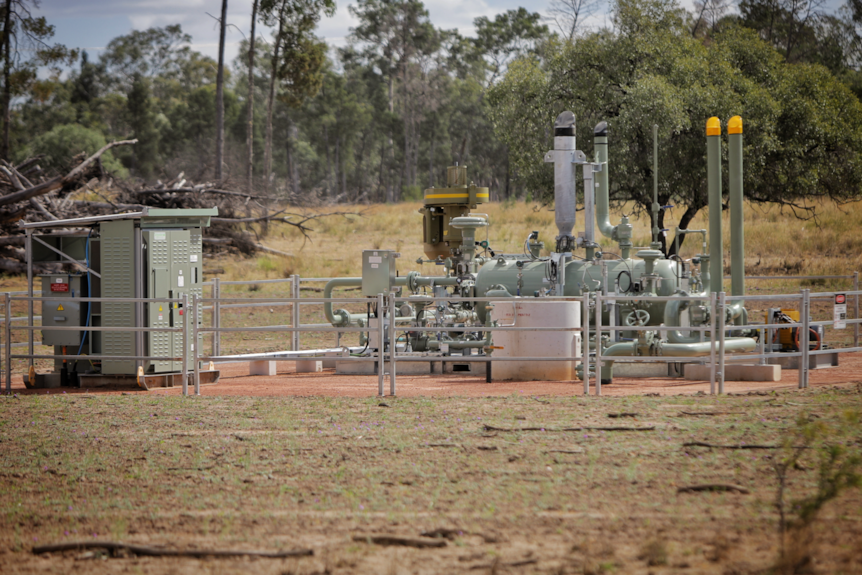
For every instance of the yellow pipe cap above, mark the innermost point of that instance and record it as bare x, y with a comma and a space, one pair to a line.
713, 127
734, 125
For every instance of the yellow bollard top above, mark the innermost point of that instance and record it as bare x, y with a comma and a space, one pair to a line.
713, 127
734, 125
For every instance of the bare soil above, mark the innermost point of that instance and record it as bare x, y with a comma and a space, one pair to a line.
316, 461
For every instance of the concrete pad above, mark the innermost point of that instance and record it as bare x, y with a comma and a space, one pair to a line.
308, 365
262, 367
735, 372
821, 361
646, 369
331, 356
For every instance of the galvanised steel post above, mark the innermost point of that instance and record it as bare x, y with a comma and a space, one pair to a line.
8, 317
713, 313
722, 309
585, 334
28, 255
381, 343
713, 181
216, 319
735, 191
297, 318
195, 350
804, 312
856, 309
185, 358
598, 344
392, 345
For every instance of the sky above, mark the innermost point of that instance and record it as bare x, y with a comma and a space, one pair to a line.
91, 24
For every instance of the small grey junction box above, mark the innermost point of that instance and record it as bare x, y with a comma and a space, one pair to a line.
378, 271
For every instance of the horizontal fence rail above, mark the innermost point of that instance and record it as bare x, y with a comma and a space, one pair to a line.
590, 357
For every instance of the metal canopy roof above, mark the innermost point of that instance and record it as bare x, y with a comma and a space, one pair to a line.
149, 216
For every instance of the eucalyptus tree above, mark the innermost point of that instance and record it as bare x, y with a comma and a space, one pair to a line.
649, 70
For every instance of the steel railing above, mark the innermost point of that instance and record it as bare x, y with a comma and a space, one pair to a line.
717, 329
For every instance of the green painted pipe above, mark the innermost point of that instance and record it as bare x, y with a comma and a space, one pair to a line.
737, 225
698, 349
344, 316
713, 181
603, 208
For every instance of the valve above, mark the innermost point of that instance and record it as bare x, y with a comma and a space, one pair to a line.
637, 317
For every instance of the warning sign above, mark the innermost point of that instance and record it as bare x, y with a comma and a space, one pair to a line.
59, 287
839, 318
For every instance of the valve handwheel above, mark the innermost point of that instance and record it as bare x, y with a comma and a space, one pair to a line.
637, 317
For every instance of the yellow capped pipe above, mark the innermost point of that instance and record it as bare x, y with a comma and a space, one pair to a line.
713, 182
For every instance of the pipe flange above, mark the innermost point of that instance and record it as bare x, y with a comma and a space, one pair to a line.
413, 281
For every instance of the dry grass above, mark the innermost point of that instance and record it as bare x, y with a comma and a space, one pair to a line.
270, 473
776, 243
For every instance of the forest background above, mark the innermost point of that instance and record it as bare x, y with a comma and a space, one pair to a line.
380, 119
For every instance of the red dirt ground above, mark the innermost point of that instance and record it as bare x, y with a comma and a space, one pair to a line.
235, 381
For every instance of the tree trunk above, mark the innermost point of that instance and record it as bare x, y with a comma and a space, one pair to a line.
7, 89
220, 95
267, 149
249, 139
684, 221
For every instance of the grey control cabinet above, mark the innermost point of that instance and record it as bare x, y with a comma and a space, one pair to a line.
173, 268
63, 309
171, 265
378, 271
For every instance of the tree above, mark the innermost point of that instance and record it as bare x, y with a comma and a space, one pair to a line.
24, 33
569, 15
249, 142
651, 70
510, 35
297, 57
219, 155
142, 121
398, 40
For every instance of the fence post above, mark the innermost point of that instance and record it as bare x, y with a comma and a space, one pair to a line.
28, 256
297, 318
856, 309
8, 316
803, 338
713, 324
392, 346
185, 356
585, 334
381, 366
598, 344
216, 319
721, 335
195, 350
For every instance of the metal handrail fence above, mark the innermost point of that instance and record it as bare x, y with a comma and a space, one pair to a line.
717, 329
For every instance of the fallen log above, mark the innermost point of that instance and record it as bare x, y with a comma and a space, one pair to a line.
401, 541
57, 183
713, 487
115, 546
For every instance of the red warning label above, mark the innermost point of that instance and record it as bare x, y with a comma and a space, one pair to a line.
840, 298
60, 287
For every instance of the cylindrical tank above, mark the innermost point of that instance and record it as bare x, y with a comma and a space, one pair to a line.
533, 312
579, 273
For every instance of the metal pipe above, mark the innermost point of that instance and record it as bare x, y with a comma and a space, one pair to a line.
713, 182
185, 354
655, 207
564, 180
699, 349
196, 348
392, 346
735, 192
345, 318
603, 208
381, 343
8, 315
